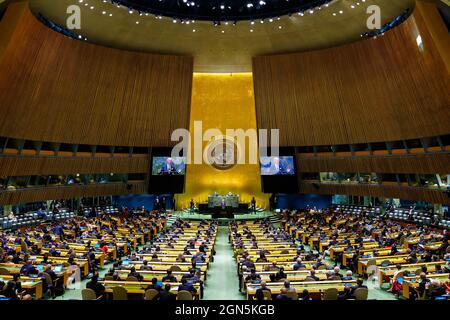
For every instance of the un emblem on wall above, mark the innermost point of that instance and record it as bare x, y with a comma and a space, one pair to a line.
222, 153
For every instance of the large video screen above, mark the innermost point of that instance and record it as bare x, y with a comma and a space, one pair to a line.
277, 166
169, 166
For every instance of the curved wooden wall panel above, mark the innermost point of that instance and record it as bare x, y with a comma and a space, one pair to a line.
380, 89
53, 88
27, 166
382, 191
42, 194
426, 164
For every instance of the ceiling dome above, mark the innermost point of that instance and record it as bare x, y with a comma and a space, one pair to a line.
221, 10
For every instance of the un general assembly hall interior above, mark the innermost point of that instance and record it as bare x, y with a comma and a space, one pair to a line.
254, 150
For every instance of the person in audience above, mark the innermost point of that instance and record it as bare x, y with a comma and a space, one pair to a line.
146, 266
298, 265
312, 276
283, 295
336, 273
261, 258
165, 295
135, 274
287, 285
28, 269
359, 284
253, 276
260, 291
347, 294
438, 269
280, 275
169, 277
348, 276
423, 284
154, 285
305, 295
93, 284
186, 286
436, 289
48, 270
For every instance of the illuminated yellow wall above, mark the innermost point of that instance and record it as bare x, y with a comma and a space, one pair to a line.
223, 101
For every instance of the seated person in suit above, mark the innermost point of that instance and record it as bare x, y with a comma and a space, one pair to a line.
305, 295
359, 284
134, 273
155, 258
53, 252
186, 286
181, 258
189, 276
287, 285
283, 295
336, 273
28, 269
423, 284
145, 266
312, 276
169, 277
298, 265
436, 289
253, 276
154, 285
347, 293
50, 272
166, 295
95, 285
261, 258
260, 291
199, 257
348, 276
278, 276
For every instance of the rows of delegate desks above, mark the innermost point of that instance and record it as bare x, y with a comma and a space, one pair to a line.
283, 254
371, 254
123, 239
370, 250
167, 260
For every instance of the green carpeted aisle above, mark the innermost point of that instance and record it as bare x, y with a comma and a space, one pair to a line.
222, 282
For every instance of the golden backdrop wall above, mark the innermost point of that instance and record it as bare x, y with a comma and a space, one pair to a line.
223, 101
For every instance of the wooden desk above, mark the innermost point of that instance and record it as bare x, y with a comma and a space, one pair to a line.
138, 288
315, 288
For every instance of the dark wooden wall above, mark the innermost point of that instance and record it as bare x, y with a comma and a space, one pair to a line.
54, 193
56, 89
374, 90
382, 191
27, 166
425, 164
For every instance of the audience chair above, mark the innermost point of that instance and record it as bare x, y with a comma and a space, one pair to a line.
184, 295
119, 293
361, 293
330, 294
175, 268
4, 271
89, 294
151, 294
